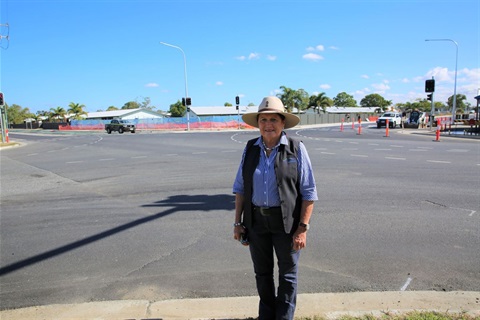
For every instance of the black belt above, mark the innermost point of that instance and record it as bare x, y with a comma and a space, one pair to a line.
267, 211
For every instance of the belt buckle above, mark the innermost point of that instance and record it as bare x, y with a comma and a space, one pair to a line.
265, 211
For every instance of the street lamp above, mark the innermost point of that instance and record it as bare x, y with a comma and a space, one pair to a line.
455, 85
185, 75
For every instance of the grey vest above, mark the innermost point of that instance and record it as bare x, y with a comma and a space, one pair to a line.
287, 181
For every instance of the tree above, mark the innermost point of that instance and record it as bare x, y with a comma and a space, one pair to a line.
294, 99
344, 100
227, 104
146, 103
76, 110
56, 114
461, 106
131, 105
17, 115
375, 100
287, 97
320, 101
112, 108
177, 109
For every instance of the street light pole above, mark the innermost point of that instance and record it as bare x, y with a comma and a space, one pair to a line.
455, 85
185, 75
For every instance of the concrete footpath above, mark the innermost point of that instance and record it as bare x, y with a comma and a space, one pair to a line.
327, 305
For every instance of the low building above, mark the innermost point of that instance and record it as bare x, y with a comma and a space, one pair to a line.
125, 114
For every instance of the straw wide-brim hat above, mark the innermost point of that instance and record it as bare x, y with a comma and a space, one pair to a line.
271, 105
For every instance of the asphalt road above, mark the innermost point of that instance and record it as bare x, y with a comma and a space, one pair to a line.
92, 217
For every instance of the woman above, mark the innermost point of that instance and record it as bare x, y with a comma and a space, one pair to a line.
274, 196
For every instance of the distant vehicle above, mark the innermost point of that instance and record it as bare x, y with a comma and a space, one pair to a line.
120, 126
394, 119
416, 119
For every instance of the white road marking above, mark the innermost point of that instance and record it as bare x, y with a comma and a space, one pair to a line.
407, 283
359, 155
438, 161
393, 158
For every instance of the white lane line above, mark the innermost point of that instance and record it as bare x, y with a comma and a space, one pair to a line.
472, 212
393, 158
395, 146
172, 154
359, 155
227, 151
458, 150
202, 152
327, 152
106, 159
407, 283
32, 154
383, 149
70, 162
139, 157
418, 150
438, 161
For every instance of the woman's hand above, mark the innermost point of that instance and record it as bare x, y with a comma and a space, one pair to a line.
299, 240
237, 232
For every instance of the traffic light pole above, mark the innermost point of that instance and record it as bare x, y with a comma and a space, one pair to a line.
3, 122
432, 111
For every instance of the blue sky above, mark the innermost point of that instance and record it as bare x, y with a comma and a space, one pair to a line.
102, 53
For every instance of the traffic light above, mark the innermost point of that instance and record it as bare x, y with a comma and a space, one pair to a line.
430, 85
183, 102
237, 100
1, 99
189, 101
429, 97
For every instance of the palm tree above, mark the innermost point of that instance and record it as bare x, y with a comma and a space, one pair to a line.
57, 114
320, 101
287, 97
76, 110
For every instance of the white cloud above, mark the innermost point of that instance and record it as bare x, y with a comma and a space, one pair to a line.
241, 58
151, 85
271, 58
380, 87
364, 76
316, 48
325, 86
219, 83
405, 80
312, 57
253, 56
334, 48
440, 74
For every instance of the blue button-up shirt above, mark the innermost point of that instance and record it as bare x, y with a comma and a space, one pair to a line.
265, 190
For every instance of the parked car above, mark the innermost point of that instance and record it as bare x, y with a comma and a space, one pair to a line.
394, 119
120, 126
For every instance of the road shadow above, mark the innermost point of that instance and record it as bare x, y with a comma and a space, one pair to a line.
197, 202
177, 203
